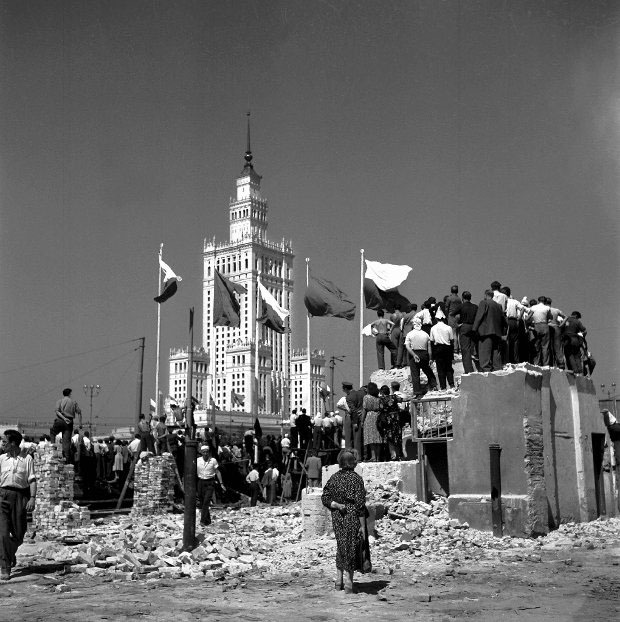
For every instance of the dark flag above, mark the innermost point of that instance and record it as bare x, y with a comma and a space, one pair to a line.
324, 299
226, 307
237, 399
272, 315
258, 431
376, 299
170, 282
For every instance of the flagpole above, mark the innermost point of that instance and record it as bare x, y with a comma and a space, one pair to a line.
254, 402
213, 334
361, 337
310, 396
161, 248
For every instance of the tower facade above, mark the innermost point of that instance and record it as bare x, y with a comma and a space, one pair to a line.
247, 257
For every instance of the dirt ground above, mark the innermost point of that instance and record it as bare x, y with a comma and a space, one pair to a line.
557, 585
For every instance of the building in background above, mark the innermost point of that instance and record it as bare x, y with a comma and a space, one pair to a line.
245, 258
178, 375
299, 379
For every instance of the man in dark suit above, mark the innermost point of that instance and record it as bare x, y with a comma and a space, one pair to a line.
468, 345
490, 324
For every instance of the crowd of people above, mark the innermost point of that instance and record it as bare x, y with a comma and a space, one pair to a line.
499, 330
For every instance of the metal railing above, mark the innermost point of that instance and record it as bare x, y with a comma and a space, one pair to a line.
431, 419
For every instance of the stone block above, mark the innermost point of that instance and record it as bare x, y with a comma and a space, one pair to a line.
376, 473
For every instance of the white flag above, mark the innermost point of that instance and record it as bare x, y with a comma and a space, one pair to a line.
386, 276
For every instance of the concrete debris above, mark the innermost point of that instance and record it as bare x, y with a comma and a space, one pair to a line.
154, 485
268, 540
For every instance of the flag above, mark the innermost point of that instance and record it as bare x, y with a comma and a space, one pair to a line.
324, 299
226, 307
376, 299
324, 391
386, 276
367, 330
258, 431
272, 314
237, 399
212, 403
153, 408
170, 282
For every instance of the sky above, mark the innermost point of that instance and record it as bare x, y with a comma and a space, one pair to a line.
474, 141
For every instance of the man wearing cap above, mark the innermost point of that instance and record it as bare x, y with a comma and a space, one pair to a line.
208, 470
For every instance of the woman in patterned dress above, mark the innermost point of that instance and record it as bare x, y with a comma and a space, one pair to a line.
370, 412
390, 414
344, 494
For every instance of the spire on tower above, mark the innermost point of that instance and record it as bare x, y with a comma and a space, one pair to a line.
248, 152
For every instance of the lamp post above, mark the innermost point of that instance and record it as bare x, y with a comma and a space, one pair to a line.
91, 390
332, 367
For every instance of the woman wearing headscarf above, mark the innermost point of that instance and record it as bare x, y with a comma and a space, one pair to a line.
344, 494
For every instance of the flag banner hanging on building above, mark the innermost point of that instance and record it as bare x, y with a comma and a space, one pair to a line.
212, 403
258, 431
237, 399
226, 306
386, 276
170, 282
153, 406
272, 315
376, 299
324, 299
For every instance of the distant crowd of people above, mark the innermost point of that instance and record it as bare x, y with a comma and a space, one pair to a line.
498, 330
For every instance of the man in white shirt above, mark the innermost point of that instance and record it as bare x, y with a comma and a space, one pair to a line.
293, 428
270, 483
134, 447
555, 335
418, 345
253, 479
442, 338
208, 471
317, 432
18, 490
540, 316
515, 312
498, 296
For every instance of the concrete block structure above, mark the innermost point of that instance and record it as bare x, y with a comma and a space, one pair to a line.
547, 424
375, 473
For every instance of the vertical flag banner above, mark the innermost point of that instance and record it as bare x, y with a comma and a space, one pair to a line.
272, 315
170, 282
226, 306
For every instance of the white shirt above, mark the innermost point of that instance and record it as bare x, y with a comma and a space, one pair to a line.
134, 445
318, 420
338, 419
501, 299
17, 472
293, 420
442, 334
327, 422
417, 339
252, 476
514, 309
541, 313
286, 443
342, 404
206, 469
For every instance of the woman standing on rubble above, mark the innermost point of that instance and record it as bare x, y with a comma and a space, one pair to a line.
345, 496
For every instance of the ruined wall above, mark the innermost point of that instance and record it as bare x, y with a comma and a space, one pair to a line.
543, 419
502, 408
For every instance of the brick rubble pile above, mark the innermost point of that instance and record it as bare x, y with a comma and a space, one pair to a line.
55, 512
153, 485
268, 540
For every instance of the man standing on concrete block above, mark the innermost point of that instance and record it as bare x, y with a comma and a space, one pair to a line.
418, 345
541, 314
490, 324
468, 345
66, 411
381, 330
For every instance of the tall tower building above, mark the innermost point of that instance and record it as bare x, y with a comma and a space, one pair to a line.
246, 257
